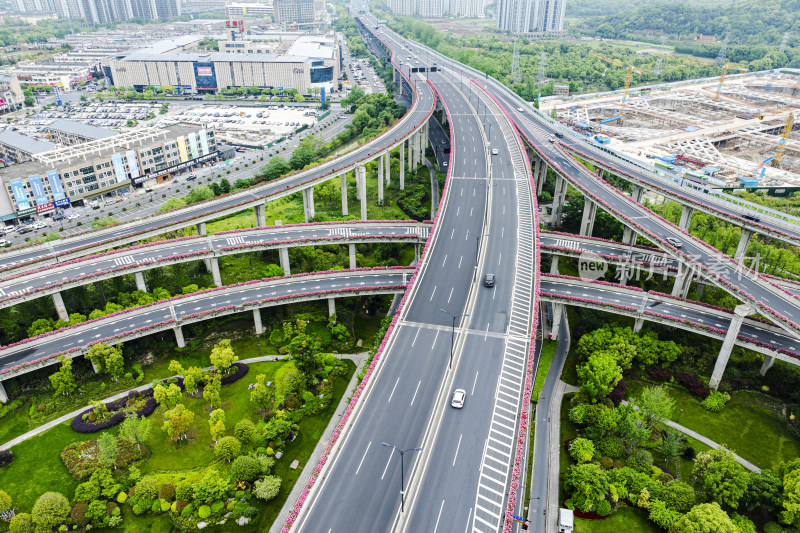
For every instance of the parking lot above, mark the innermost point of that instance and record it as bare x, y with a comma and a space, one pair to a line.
101, 115
362, 74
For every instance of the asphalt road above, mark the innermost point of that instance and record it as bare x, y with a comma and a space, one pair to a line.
59, 273
82, 335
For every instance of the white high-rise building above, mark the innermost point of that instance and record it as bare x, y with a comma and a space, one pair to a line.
531, 17
438, 8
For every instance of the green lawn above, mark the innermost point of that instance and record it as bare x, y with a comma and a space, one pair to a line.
545, 359
747, 422
624, 519
567, 432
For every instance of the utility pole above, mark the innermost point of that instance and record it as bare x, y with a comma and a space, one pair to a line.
516, 73
542, 62
723, 51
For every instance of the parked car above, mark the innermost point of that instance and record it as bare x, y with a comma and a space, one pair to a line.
39, 225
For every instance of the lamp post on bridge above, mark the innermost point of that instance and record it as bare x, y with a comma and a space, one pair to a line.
402, 452
453, 332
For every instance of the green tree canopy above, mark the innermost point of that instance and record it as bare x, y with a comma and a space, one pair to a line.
704, 518
721, 476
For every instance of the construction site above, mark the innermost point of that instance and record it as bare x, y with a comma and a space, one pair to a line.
731, 133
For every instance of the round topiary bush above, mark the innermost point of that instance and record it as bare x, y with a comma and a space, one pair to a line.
641, 461
689, 453
246, 468
166, 492
216, 507
772, 527
79, 514
204, 511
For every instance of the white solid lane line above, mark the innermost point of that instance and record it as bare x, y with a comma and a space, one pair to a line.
362, 457
415, 392
391, 452
393, 388
438, 517
457, 448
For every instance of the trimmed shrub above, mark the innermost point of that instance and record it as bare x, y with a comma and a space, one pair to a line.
228, 448
641, 461
79, 514
581, 450
769, 527
204, 511
689, 453
185, 490
145, 492
87, 492
156, 507
187, 510
715, 401
607, 463
178, 506
603, 508
611, 447
267, 488
122, 497
50, 510
246, 468
166, 492
6, 458
244, 431
216, 507
21, 523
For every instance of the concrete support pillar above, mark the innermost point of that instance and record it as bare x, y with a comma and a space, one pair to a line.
559, 198
380, 179
283, 252
331, 307
558, 310
637, 325
387, 167
589, 212
308, 203
402, 166
410, 153
3, 395
554, 265
417, 252
686, 217
344, 194
179, 336
637, 193
260, 212
215, 275
542, 178
739, 313
351, 248
629, 235
94, 366
363, 184
682, 281
201, 228
536, 163
61, 309
257, 320
769, 360
744, 242
140, 283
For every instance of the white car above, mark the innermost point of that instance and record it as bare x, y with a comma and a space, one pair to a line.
673, 241
458, 398
3, 242
495, 151
111, 201
39, 225
73, 216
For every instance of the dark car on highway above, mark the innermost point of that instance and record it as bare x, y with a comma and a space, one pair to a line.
488, 280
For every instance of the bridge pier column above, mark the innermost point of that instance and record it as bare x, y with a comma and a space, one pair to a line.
344, 194
637, 325
589, 213
554, 265
417, 252
542, 178
61, 309
629, 235
682, 281
387, 167
283, 252
363, 184
744, 242
559, 197
260, 212
769, 360
308, 203
331, 307
686, 217
352, 253
3, 394
410, 152
201, 228
95, 368
558, 310
402, 165
637, 193
380, 179
739, 313
140, 283
257, 320
214, 262
536, 164
179, 336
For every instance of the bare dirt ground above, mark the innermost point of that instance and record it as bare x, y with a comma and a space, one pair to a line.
462, 27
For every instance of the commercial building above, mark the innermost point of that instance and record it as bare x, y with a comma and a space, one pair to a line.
60, 75
109, 166
11, 96
67, 133
294, 11
18, 148
532, 18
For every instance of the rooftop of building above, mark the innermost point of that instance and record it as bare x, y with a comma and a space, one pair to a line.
210, 57
314, 46
22, 142
78, 128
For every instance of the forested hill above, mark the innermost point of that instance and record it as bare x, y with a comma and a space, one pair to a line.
748, 21
595, 8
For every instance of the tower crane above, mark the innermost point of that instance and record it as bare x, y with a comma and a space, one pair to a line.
721, 81
629, 72
787, 129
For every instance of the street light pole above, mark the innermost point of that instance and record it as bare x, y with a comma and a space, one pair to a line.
402, 471
453, 332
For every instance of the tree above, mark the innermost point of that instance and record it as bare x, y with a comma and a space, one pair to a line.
632, 430
245, 468
581, 450
107, 450
39, 326
63, 381
168, 395
655, 404
304, 154
228, 448
212, 389
176, 421
791, 496
5, 503
225, 185
134, 430
222, 356
191, 377
599, 375
245, 430
679, 496
721, 476
275, 168
216, 423
267, 488
661, 515
671, 447
50, 511
260, 394
21, 523
355, 94
704, 518
106, 358
588, 484
304, 349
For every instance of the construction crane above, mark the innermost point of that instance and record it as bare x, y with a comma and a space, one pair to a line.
721, 81
629, 72
787, 129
